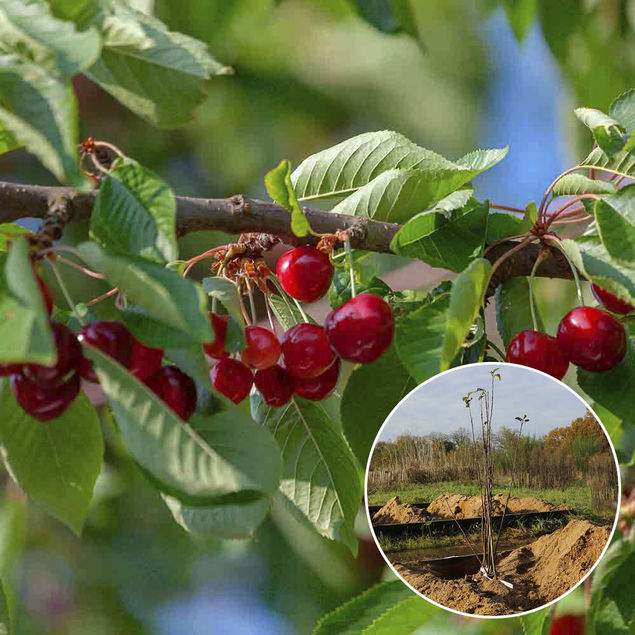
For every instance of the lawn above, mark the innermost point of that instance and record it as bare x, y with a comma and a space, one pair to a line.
577, 496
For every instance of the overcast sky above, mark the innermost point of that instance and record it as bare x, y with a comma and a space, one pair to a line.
437, 406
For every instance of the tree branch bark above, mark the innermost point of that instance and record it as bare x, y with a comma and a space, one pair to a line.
239, 214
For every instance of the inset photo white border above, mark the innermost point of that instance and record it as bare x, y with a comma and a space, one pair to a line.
489, 366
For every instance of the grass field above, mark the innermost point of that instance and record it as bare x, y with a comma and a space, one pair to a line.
577, 496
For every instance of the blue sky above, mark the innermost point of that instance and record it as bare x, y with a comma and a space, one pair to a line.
437, 406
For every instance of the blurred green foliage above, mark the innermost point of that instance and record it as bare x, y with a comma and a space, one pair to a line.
308, 73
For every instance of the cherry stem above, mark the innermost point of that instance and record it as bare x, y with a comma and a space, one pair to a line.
252, 304
507, 254
206, 254
270, 315
541, 209
507, 208
569, 203
351, 266
243, 309
532, 301
67, 295
103, 296
505, 240
74, 265
555, 241
302, 313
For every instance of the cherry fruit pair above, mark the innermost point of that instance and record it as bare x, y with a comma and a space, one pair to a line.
587, 337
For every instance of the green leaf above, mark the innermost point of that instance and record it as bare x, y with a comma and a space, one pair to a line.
559, 21
520, 15
612, 388
135, 213
615, 218
404, 618
227, 293
466, 299
399, 194
8, 140
56, 463
363, 411
25, 332
285, 311
536, 623
590, 257
280, 189
41, 112
6, 626
612, 608
81, 12
419, 338
30, 31
608, 133
357, 614
623, 163
228, 521
159, 74
200, 462
8, 233
320, 476
451, 243
623, 109
340, 290
341, 170
163, 294
574, 184
154, 333
513, 313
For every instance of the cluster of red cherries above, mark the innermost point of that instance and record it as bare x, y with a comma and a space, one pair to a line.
45, 392
306, 361
588, 337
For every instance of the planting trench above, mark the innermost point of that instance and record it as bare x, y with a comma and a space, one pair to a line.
540, 572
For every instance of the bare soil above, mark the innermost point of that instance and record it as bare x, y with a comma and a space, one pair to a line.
540, 572
470, 506
394, 511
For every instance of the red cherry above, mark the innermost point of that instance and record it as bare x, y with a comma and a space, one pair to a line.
69, 358
263, 348
41, 402
305, 273
10, 369
591, 338
361, 329
320, 387
145, 360
567, 625
306, 350
112, 338
611, 302
275, 385
47, 294
232, 379
176, 389
216, 349
538, 350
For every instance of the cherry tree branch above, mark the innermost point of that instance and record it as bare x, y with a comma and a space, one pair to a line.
239, 214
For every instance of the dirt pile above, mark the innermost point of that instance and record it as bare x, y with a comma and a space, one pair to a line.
540, 572
470, 506
394, 511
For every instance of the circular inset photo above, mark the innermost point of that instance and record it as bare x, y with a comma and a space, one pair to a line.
492, 489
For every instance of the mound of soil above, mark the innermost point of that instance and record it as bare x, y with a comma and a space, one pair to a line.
394, 511
540, 572
470, 506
